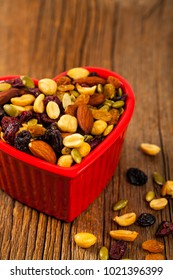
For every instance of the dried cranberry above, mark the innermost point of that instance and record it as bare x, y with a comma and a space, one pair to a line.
145, 220
118, 250
52, 98
10, 132
16, 82
25, 116
136, 176
165, 228
45, 120
6, 120
22, 140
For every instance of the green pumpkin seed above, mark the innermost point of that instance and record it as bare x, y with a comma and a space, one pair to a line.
4, 86
120, 92
118, 104
76, 156
108, 102
10, 110
105, 108
27, 81
158, 178
150, 196
103, 253
120, 204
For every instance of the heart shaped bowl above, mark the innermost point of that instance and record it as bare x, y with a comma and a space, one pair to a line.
65, 192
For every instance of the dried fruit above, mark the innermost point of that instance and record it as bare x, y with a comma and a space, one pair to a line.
42, 150
85, 239
158, 203
85, 118
103, 253
125, 219
84, 149
99, 127
101, 115
154, 257
118, 249
145, 220
153, 246
22, 140
136, 176
126, 235
150, 149
65, 161
120, 204
165, 228
167, 188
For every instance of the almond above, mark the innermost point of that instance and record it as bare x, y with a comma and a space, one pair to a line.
43, 151
85, 118
96, 99
90, 81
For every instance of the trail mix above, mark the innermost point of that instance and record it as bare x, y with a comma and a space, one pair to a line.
121, 236
60, 121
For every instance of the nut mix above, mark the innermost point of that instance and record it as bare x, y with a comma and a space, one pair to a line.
76, 111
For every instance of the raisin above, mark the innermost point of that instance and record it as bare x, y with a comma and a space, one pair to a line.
95, 141
118, 250
136, 176
52, 98
165, 228
22, 140
145, 220
54, 138
6, 120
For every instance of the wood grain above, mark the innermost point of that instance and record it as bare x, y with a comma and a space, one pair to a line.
42, 38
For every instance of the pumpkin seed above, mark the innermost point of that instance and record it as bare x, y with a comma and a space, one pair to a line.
120, 92
158, 178
118, 104
103, 253
27, 81
76, 156
150, 196
10, 110
100, 88
120, 204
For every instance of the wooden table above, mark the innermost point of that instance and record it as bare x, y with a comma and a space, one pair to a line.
42, 38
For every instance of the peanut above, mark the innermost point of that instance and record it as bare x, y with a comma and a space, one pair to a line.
47, 86
86, 90
150, 196
158, 203
24, 100
85, 239
126, 219
73, 141
77, 73
52, 110
39, 104
150, 149
67, 123
126, 235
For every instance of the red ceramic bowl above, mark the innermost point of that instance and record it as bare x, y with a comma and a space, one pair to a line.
65, 192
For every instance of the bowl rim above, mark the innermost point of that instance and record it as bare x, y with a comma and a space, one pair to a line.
76, 169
